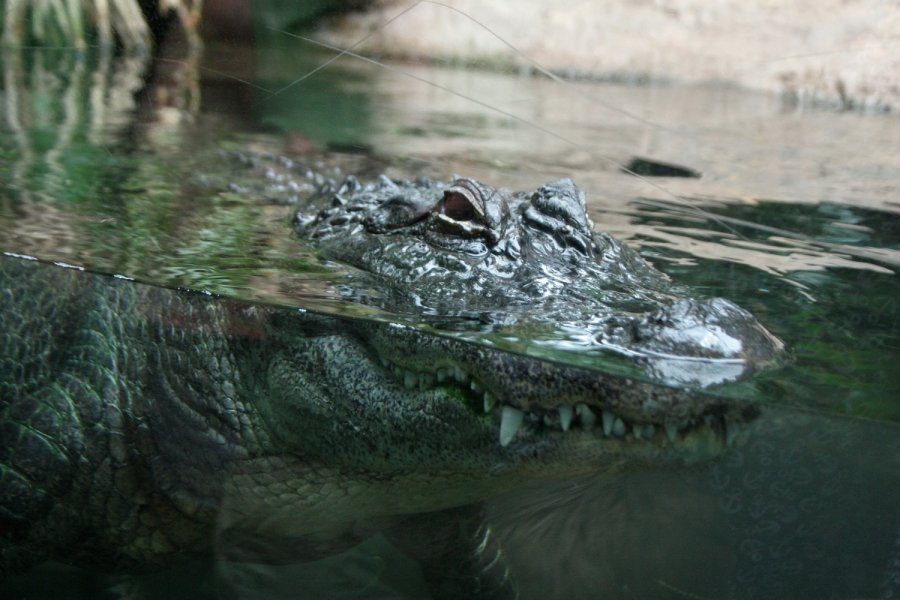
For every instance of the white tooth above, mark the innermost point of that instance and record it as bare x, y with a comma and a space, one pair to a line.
649, 432
638, 431
510, 421
488, 402
608, 419
459, 374
619, 427
475, 387
441, 375
565, 417
410, 380
587, 416
671, 431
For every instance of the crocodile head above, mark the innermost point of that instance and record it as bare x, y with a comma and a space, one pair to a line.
416, 417
468, 256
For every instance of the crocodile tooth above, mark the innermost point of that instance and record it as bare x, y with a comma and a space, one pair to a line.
475, 387
671, 431
410, 380
588, 418
510, 421
618, 427
441, 375
565, 417
608, 420
488, 401
638, 431
649, 431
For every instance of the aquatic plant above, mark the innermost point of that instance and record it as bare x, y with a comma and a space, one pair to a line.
104, 23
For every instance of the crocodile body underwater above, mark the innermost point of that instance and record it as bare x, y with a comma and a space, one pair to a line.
143, 425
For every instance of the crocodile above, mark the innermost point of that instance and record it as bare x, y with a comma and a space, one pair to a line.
143, 425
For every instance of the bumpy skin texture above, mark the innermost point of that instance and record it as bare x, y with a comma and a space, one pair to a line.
93, 376
143, 424
465, 254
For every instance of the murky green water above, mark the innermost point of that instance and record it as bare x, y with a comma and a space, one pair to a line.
796, 217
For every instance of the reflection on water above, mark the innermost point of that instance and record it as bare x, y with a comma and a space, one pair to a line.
797, 223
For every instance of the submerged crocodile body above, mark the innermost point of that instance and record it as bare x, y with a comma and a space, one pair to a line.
142, 424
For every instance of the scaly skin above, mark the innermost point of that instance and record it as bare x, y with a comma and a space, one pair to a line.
469, 257
143, 424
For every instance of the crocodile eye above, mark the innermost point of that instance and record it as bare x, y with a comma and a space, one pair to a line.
469, 209
458, 206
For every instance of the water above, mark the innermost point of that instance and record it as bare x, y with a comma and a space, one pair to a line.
795, 217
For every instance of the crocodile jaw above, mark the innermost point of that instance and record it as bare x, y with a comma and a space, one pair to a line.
522, 421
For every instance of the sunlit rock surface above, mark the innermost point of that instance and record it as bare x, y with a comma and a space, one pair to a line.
846, 56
